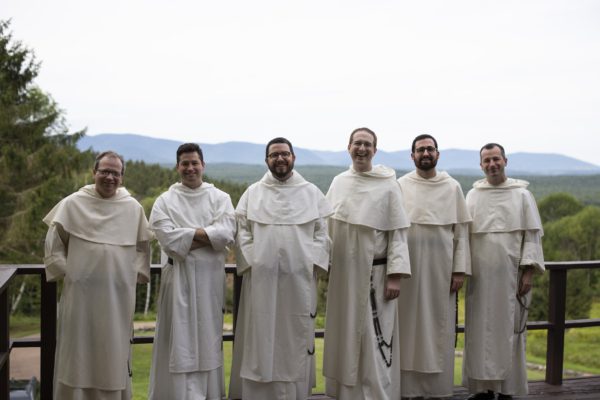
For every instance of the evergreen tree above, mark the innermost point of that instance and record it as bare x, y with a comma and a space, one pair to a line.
38, 159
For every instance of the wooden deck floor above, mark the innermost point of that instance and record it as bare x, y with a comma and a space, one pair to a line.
571, 389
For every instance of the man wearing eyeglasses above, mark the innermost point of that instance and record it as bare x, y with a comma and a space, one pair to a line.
438, 242
369, 256
97, 242
194, 223
506, 250
282, 244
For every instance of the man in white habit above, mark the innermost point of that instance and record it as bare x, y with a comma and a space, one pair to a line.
438, 243
98, 243
282, 243
506, 250
369, 256
193, 222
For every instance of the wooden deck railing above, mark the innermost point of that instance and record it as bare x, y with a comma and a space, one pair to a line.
556, 325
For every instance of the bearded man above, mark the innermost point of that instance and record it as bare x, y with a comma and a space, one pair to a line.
438, 244
282, 243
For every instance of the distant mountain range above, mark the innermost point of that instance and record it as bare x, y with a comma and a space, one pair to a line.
162, 151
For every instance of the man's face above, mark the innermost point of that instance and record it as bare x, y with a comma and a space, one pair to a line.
280, 161
493, 164
107, 176
362, 149
425, 155
190, 169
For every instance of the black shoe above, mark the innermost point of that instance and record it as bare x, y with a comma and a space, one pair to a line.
489, 395
504, 396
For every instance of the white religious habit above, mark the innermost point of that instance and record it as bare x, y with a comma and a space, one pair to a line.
100, 248
505, 238
438, 243
187, 357
369, 241
282, 242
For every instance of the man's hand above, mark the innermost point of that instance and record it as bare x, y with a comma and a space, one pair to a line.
392, 286
526, 282
197, 244
458, 278
201, 239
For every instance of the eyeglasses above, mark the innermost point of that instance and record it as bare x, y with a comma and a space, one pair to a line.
364, 143
275, 156
429, 149
107, 172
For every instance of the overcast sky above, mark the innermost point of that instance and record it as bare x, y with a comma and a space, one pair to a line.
522, 73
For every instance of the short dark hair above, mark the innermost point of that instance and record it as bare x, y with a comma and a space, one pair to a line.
189, 148
421, 137
278, 140
110, 154
490, 146
366, 130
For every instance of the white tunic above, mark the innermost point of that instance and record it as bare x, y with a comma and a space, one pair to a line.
99, 247
505, 236
438, 246
187, 356
282, 237
369, 223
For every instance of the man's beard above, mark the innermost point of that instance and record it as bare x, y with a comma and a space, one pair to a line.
426, 167
277, 174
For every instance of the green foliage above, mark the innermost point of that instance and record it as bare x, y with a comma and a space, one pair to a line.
39, 160
148, 180
557, 206
573, 237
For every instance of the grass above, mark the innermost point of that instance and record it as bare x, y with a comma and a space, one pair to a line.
21, 326
142, 358
582, 347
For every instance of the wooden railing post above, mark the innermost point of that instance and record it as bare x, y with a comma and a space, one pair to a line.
4, 345
237, 292
557, 300
48, 337
6, 275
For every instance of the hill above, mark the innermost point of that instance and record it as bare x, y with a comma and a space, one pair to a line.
466, 162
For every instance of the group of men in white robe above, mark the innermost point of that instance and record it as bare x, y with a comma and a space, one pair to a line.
368, 233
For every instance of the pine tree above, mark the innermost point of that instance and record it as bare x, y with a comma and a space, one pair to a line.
39, 162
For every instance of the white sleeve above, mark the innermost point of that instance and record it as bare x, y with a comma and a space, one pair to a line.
398, 261
142, 261
321, 245
221, 233
244, 249
461, 260
174, 241
531, 252
55, 253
